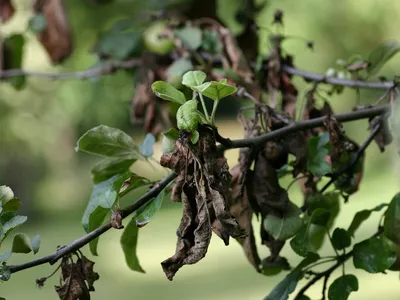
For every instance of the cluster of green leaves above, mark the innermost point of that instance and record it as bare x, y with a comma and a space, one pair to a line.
128, 38
113, 179
188, 117
9, 221
307, 230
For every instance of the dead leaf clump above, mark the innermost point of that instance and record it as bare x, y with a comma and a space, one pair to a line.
203, 186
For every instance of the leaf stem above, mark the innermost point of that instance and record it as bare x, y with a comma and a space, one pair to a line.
203, 104
214, 111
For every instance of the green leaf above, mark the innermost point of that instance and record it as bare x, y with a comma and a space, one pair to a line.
286, 286
10, 225
103, 197
193, 78
5, 273
318, 148
187, 116
8, 201
119, 45
169, 139
13, 47
341, 288
211, 42
285, 227
289, 283
146, 212
195, 137
176, 70
304, 297
361, 216
110, 142
21, 244
190, 36
129, 240
320, 216
310, 237
380, 55
5, 256
329, 201
147, 146
109, 167
391, 224
373, 255
341, 239
216, 90
38, 23
35, 243
166, 91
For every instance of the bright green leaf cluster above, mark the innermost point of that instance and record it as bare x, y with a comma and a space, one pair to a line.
9, 221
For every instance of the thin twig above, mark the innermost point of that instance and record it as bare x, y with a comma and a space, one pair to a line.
82, 241
341, 260
308, 124
338, 81
93, 72
355, 159
325, 286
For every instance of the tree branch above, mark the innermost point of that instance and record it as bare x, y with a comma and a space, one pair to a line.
308, 124
294, 127
82, 241
355, 159
98, 71
337, 81
341, 260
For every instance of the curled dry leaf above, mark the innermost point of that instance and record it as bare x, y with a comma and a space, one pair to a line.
203, 187
146, 108
56, 38
384, 136
116, 220
76, 279
240, 208
7, 10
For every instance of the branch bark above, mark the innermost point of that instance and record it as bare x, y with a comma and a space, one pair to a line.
385, 85
295, 126
98, 71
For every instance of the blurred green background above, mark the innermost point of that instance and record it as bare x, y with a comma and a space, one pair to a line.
40, 125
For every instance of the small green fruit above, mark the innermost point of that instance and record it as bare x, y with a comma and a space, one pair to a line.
155, 41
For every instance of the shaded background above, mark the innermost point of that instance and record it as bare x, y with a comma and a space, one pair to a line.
40, 125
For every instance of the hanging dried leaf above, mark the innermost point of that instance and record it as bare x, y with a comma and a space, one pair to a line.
204, 180
87, 270
241, 210
384, 137
194, 234
56, 38
73, 286
7, 11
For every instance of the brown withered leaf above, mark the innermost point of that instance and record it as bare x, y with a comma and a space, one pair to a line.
267, 192
143, 95
384, 136
87, 271
116, 220
203, 187
56, 38
194, 233
7, 11
73, 286
240, 208
289, 95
